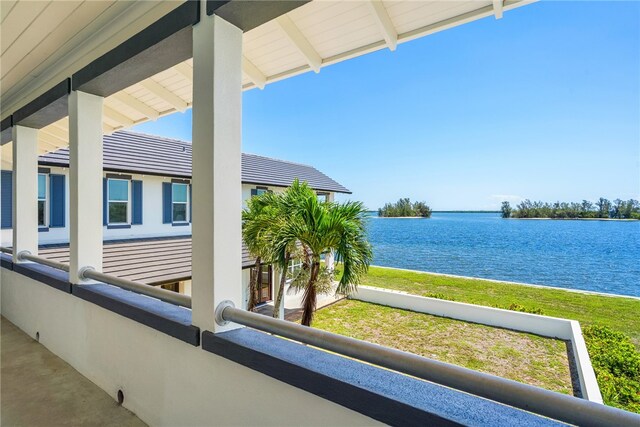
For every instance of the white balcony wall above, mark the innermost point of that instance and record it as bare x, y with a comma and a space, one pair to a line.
174, 383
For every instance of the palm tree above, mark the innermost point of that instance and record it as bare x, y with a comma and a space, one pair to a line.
320, 228
254, 233
277, 226
259, 221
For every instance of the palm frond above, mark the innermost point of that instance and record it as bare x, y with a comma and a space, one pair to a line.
277, 225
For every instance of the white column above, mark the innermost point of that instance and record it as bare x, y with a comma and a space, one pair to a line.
217, 192
329, 261
25, 191
329, 258
85, 183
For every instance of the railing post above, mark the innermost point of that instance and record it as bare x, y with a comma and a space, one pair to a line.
217, 196
25, 191
85, 183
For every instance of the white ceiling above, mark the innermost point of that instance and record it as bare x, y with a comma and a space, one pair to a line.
313, 36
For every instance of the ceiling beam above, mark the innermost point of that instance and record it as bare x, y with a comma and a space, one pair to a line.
56, 131
61, 125
254, 74
185, 70
161, 92
384, 23
117, 116
300, 42
136, 104
248, 15
164, 43
107, 130
64, 126
498, 6
48, 108
46, 136
47, 142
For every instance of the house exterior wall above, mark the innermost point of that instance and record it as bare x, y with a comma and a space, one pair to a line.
152, 225
246, 191
185, 286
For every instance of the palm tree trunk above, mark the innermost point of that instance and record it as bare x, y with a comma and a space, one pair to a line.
310, 296
253, 285
283, 280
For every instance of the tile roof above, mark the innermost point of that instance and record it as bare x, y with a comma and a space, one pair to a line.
133, 152
152, 261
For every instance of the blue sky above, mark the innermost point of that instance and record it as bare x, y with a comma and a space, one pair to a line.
543, 104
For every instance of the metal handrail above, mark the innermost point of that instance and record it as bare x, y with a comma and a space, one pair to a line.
90, 273
554, 405
140, 288
25, 255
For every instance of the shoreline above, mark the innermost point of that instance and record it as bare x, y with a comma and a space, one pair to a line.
402, 217
536, 218
578, 219
579, 291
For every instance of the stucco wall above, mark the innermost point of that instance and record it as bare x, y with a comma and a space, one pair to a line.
565, 329
151, 226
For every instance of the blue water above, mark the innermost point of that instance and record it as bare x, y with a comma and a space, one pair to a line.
600, 256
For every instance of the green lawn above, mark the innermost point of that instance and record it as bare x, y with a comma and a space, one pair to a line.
622, 314
518, 356
616, 361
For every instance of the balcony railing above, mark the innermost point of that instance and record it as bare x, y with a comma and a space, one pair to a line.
91, 273
554, 405
529, 398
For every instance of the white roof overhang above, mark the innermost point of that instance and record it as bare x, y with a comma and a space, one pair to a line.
307, 38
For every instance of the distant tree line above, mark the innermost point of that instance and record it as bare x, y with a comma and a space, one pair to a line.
404, 208
603, 208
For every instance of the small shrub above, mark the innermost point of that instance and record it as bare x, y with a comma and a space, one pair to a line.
517, 307
616, 363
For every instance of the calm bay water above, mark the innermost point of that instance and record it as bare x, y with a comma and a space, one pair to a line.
600, 256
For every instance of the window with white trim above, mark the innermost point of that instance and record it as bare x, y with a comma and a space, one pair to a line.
179, 202
118, 200
323, 197
295, 265
42, 199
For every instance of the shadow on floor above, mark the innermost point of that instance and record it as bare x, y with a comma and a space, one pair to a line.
293, 314
290, 314
40, 389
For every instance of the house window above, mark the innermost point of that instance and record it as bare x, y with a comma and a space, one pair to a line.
42, 200
295, 265
323, 197
179, 202
118, 201
259, 191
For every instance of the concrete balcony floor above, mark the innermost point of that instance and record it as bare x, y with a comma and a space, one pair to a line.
40, 389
